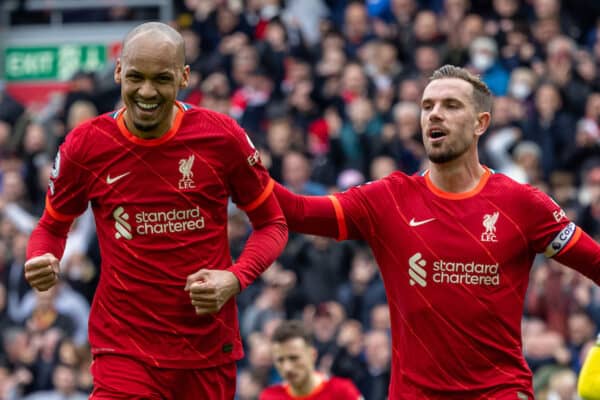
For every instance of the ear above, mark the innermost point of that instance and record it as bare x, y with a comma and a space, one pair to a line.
117, 74
482, 123
185, 79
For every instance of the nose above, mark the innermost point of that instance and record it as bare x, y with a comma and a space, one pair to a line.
435, 113
147, 90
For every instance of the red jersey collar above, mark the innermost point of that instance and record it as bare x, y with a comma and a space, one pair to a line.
458, 196
150, 142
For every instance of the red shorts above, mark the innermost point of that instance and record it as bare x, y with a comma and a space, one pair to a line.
119, 377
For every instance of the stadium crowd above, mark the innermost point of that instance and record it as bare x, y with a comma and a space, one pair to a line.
329, 92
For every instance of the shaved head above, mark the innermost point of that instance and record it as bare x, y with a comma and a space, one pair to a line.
155, 32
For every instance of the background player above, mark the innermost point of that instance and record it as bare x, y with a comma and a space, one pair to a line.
294, 357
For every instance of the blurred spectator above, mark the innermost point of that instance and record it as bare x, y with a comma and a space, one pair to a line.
357, 27
364, 290
561, 52
61, 299
461, 36
483, 59
563, 385
581, 331
279, 142
354, 146
551, 128
521, 87
296, 175
380, 318
64, 380
381, 167
10, 109
378, 357
321, 265
589, 216
542, 346
402, 140
348, 360
248, 386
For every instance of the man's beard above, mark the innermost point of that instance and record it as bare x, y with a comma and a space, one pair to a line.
145, 127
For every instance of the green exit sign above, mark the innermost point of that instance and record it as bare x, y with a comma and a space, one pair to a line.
54, 63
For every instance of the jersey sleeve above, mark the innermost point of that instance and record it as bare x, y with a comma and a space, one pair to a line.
547, 227
249, 181
67, 194
353, 209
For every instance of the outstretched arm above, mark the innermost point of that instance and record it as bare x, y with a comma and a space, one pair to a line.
583, 256
315, 215
589, 377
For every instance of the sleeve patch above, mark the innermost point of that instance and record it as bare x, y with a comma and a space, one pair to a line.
561, 240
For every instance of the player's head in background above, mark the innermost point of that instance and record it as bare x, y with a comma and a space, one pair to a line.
295, 356
455, 110
151, 71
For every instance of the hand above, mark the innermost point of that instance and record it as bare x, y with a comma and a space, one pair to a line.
42, 271
210, 289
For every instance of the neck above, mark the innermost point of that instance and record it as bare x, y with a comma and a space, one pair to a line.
308, 386
456, 176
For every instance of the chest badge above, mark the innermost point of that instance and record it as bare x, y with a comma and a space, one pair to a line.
489, 223
185, 167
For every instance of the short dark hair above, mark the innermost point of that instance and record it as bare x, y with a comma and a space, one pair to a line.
291, 330
482, 95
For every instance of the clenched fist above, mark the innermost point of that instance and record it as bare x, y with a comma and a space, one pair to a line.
210, 289
42, 271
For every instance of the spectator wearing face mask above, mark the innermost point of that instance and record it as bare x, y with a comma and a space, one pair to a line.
521, 85
484, 61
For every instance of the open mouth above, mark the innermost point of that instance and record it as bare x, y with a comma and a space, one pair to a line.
436, 133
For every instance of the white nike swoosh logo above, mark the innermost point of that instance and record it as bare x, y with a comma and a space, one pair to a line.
110, 180
412, 222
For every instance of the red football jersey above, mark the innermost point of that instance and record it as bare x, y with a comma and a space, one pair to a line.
456, 269
330, 388
160, 207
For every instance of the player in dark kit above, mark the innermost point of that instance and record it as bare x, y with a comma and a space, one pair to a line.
455, 247
295, 357
158, 175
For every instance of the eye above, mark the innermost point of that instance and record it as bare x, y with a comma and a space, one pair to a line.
134, 78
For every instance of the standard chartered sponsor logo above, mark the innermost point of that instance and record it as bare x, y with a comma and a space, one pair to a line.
453, 272
157, 222
121, 223
416, 271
